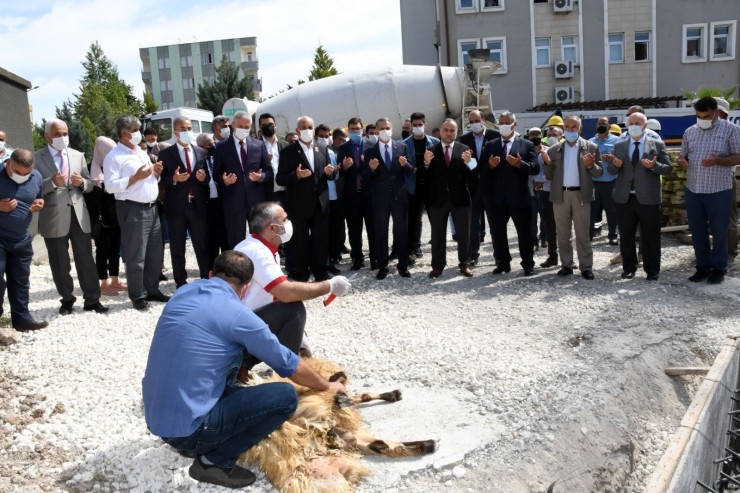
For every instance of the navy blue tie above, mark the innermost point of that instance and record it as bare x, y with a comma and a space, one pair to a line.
387, 157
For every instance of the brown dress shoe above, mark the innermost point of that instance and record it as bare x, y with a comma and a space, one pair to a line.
435, 273
466, 271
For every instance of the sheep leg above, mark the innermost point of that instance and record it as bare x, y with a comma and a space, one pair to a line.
347, 401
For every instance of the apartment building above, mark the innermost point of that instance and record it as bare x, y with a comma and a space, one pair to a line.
573, 51
172, 74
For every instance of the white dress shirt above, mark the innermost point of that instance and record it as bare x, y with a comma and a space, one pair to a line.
120, 164
308, 150
238, 145
388, 145
571, 178
272, 149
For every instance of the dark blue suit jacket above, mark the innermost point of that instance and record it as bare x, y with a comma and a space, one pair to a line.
244, 194
469, 140
386, 181
306, 194
506, 184
350, 175
176, 195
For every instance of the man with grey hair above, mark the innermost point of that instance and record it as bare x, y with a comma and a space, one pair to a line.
241, 166
65, 219
304, 169
220, 128
133, 179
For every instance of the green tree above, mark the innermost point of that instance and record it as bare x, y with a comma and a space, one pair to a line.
713, 91
150, 106
323, 65
227, 85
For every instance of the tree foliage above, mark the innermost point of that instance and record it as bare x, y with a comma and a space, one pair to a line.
103, 97
323, 65
228, 84
713, 91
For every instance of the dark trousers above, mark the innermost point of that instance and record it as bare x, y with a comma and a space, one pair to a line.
142, 241
217, 241
336, 229
535, 211
15, 267
548, 217
477, 223
191, 218
383, 210
417, 204
61, 267
235, 223
359, 212
709, 213
107, 252
630, 215
603, 201
522, 217
242, 417
732, 236
309, 247
438, 221
286, 320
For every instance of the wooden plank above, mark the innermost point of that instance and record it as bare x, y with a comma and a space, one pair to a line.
686, 370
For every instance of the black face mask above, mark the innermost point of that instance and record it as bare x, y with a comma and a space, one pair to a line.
536, 141
268, 130
211, 150
405, 134
601, 129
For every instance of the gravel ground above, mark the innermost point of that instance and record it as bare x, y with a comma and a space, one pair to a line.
571, 370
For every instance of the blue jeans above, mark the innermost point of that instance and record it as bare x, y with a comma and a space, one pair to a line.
709, 213
242, 417
15, 266
603, 201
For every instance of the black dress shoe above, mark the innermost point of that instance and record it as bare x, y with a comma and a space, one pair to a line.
587, 274
162, 277
716, 277
411, 260
358, 264
417, 253
435, 273
161, 297
382, 274
66, 308
652, 277
565, 271
34, 325
502, 268
700, 275
404, 273
141, 304
236, 477
393, 255
97, 307
529, 271
333, 269
345, 250
614, 242
628, 275
550, 262
454, 237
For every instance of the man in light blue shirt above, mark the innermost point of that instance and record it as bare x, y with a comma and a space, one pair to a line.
189, 397
604, 184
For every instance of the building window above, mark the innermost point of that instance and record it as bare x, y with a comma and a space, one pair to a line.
466, 6
165, 85
186, 61
694, 43
188, 83
542, 48
491, 5
164, 62
616, 48
498, 52
569, 48
642, 46
207, 58
463, 45
541, 1
723, 40
231, 56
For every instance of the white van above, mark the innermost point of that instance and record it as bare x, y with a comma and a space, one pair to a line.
162, 121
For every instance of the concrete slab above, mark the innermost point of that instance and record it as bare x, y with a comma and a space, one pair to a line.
426, 413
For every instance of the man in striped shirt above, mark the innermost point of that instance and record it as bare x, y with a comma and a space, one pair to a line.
709, 150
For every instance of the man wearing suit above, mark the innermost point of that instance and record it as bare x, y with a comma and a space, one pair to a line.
505, 167
242, 168
216, 228
357, 200
571, 165
638, 163
185, 179
448, 166
273, 145
384, 171
65, 219
478, 136
304, 168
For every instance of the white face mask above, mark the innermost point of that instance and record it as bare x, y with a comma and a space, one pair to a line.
506, 130
241, 133
704, 124
385, 135
287, 233
2, 145
151, 144
418, 131
635, 130
135, 138
307, 135
225, 132
187, 137
20, 179
60, 143
373, 138
326, 141
476, 127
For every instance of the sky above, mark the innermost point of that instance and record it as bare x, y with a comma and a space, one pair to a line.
46, 41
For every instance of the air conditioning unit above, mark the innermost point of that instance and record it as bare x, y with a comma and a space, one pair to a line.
562, 6
564, 94
564, 69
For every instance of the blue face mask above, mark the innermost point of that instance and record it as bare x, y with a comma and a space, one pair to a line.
355, 137
570, 136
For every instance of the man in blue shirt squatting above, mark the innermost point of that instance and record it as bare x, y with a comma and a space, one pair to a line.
190, 399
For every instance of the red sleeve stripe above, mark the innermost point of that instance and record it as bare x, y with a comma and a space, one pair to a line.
275, 282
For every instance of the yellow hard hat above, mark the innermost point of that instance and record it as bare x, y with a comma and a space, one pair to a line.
555, 120
614, 129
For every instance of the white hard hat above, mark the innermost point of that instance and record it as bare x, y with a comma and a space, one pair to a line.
653, 124
723, 105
